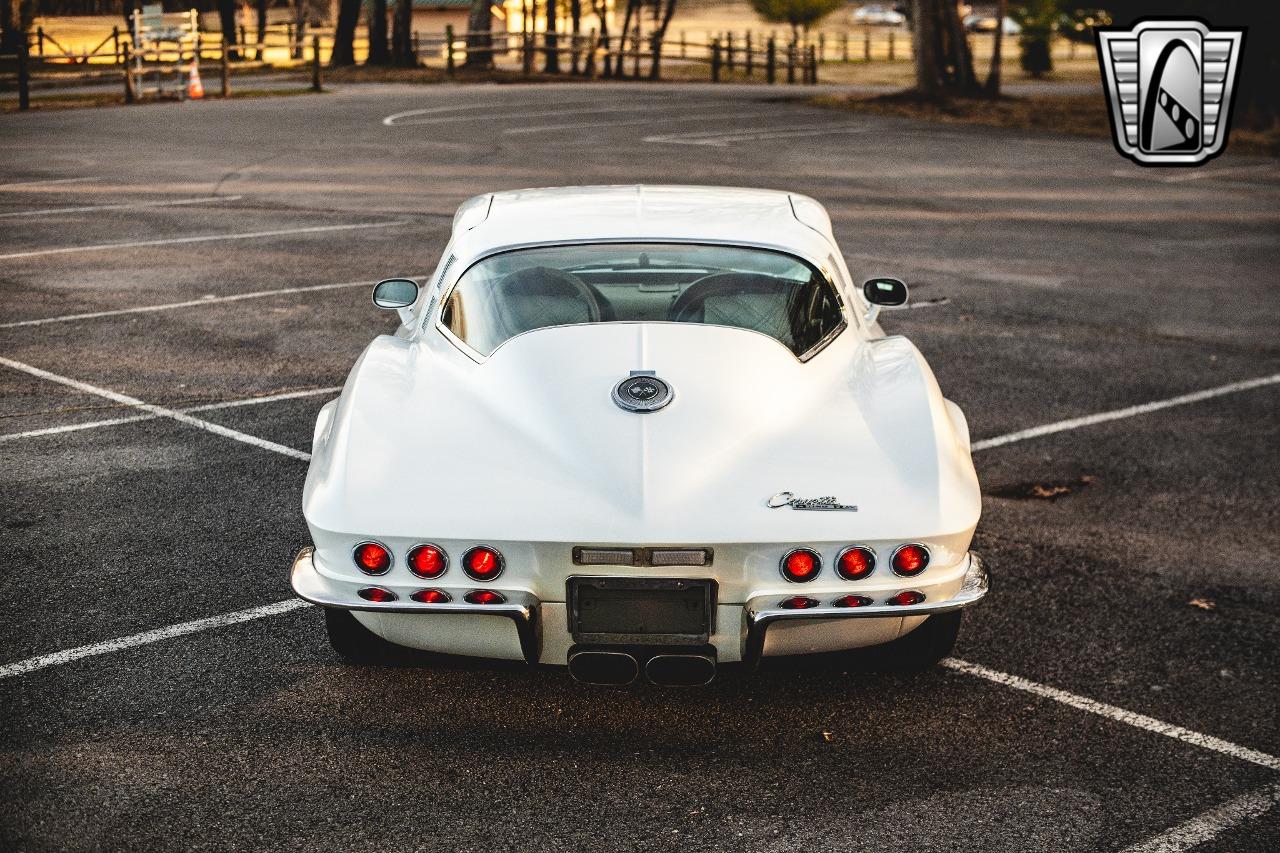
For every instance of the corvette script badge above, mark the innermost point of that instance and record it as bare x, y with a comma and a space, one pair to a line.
824, 504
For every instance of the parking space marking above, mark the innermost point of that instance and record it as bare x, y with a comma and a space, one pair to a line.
207, 407
94, 208
190, 303
22, 667
630, 122
1211, 824
161, 411
1120, 715
203, 238
49, 181
1128, 412
722, 138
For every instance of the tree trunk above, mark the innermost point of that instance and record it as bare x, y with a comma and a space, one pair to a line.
262, 28
993, 78
479, 37
378, 53
227, 20
924, 48
660, 35
344, 35
600, 9
10, 34
620, 68
961, 60
552, 65
402, 35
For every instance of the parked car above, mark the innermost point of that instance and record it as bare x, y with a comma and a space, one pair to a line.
987, 24
875, 15
641, 429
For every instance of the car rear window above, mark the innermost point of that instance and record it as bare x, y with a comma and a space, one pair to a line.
768, 292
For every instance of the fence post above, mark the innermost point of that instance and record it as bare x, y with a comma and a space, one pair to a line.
791, 62
226, 68
771, 61
751, 60
728, 50
315, 64
635, 50
244, 54
130, 93
822, 46
715, 60
684, 46
891, 41
589, 70
866, 45
448, 49
24, 82
115, 43
39, 41
813, 67
844, 47
526, 52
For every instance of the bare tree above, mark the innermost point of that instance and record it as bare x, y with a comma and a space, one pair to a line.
227, 20
944, 65
552, 40
633, 8
402, 35
659, 35
600, 7
479, 37
378, 53
344, 35
993, 76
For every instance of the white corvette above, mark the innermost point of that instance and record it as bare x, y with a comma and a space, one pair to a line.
641, 429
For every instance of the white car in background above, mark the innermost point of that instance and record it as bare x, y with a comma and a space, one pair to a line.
641, 429
987, 24
878, 16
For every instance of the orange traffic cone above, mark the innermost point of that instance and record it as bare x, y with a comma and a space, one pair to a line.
195, 89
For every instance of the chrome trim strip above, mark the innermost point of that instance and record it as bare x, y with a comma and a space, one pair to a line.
520, 607
763, 610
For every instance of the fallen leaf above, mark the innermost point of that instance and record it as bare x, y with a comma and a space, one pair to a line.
1048, 491
1203, 603
828, 737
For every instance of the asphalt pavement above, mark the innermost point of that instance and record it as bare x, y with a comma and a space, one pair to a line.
1119, 687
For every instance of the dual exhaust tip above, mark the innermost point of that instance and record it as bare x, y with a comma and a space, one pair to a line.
620, 668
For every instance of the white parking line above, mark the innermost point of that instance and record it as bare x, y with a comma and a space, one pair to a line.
48, 181
161, 411
1120, 715
94, 208
1211, 824
22, 667
630, 122
207, 407
722, 139
204, 238
1128, 412
190, 303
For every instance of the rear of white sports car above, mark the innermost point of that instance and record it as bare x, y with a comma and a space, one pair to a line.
651, 457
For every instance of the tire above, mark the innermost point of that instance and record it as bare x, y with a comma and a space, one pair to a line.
922, 648
353, 642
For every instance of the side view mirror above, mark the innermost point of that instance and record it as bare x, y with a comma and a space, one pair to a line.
883, 293
397, 293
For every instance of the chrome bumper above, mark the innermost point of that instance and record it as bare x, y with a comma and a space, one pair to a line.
520, 607
763, 610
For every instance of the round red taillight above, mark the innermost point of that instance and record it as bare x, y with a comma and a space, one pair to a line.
851, 601
376, 594
798, 602
910, 560
483, 563
907, 597
855, 562
801, 565
431, 596
427, 561
372, 558
484, 596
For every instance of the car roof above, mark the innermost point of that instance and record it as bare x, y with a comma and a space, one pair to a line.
498, 221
